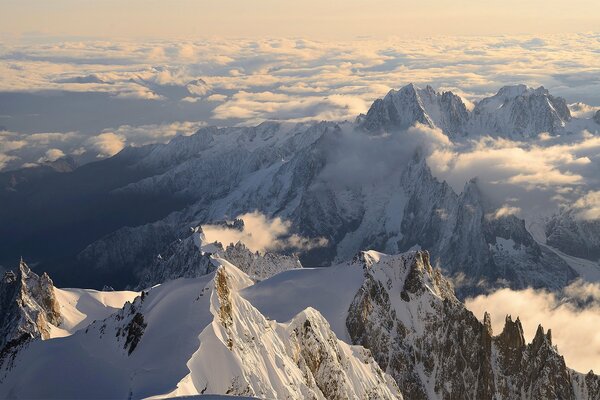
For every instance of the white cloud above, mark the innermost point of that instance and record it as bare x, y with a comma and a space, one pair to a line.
505, 211
107, 144
51, 155
5, 159
588, 206
582, 110
574, 328
26, 150
261, 234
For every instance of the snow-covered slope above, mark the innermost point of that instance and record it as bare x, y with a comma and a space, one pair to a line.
302, 333
80, 307
192, 336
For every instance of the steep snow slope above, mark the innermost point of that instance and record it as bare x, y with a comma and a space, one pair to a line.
192, 336
80, 307
329, 290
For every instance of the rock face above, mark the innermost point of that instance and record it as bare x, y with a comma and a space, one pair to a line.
223, 346
597, 117
520, 112
469, 241
401, 109
192, 257
574, 236
27, 308
407, 315
514, 112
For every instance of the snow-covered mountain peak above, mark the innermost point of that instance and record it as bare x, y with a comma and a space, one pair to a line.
519, 111
515, 111
403, 108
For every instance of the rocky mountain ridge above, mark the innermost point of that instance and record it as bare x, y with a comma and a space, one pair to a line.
407, 315
27, 308
514, 112
225, 346
192, 257
409, 336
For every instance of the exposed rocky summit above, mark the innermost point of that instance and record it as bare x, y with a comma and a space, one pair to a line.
401, 109
514, 112
407, 315
27, 308
520, 112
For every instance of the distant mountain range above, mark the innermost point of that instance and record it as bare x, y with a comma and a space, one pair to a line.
105, 223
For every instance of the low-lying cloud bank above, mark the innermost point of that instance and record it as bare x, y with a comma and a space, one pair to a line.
574, 318
535, 177
29, 150
262, 234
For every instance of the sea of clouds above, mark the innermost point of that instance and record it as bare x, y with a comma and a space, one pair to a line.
89, 99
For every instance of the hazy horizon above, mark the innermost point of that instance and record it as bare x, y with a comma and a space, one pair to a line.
309, 19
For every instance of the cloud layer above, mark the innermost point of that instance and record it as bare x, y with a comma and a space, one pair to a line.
574, 323
93, 87
527, 178
261, 234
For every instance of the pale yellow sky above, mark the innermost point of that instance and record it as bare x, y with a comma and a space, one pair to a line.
319, 19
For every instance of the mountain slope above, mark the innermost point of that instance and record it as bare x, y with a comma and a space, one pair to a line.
223, 346
407, 315
520, 112
401, 109
349, 183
